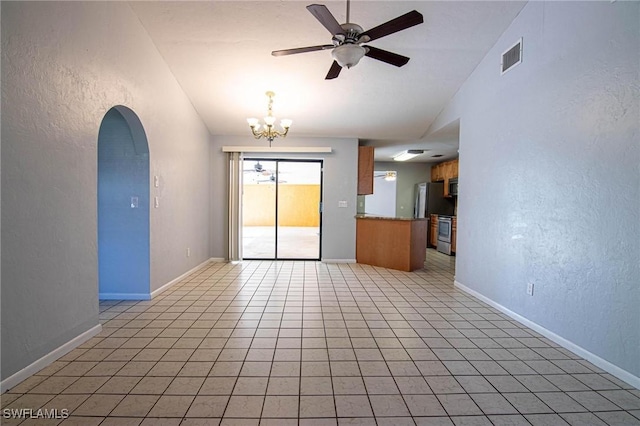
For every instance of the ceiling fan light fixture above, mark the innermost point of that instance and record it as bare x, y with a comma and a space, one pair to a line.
348, 55
408, 154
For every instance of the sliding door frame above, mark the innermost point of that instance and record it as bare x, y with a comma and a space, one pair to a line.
277, 184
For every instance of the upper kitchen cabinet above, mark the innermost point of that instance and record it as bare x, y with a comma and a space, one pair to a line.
437, 172
365, 170
451, 169
442, 172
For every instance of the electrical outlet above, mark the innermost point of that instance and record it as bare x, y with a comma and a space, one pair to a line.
530, 289
188, 252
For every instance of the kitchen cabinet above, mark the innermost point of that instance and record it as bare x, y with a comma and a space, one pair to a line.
446, 188
395, 243
454, 169
442, 172
437, 173
454, 234
433, 230
365, 170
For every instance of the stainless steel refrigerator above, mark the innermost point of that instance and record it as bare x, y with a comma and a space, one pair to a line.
430, 199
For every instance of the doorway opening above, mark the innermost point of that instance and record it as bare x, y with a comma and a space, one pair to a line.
281, 209
383, 200
123, 207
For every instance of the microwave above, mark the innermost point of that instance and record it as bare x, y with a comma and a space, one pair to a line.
453, 187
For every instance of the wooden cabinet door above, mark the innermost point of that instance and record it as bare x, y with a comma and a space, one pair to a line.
437, 174
434, 173
433, 234
444, 171
365, 170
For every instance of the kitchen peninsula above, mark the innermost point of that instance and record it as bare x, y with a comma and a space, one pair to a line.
391, 242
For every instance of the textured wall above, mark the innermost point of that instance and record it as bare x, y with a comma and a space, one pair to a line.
340, 183
123, 231
550, 177
64, 65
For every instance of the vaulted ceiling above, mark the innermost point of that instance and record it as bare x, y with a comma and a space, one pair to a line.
220, 53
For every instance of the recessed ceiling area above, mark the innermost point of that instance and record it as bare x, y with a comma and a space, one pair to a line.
220, 53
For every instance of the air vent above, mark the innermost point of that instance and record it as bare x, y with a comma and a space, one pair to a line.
511, 57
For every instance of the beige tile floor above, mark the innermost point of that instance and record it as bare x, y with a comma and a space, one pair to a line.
306, 343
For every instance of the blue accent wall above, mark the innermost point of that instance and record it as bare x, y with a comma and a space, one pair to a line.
123, 230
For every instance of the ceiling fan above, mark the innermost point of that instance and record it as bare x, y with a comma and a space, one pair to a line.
347, 40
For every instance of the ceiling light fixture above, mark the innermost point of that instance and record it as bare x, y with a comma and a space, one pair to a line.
390, 176
408, 154
348, 55
269, 131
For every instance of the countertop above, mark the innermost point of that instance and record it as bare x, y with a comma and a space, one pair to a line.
372, 216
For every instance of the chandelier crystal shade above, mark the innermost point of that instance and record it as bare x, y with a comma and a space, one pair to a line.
268, 129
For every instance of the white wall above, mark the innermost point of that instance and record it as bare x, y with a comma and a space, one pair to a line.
64, 65
549, 160
382, 201
408, 175
340, 183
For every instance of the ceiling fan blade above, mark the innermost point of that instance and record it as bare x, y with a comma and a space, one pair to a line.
386, 56
334, 71
325, 17
301, 50
400, 23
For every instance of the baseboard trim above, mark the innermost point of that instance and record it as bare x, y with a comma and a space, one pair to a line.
41, 363
567, 344
171, 283
338, 260
124, 296
218, 260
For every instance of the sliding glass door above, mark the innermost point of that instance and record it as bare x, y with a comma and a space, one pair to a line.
281, 209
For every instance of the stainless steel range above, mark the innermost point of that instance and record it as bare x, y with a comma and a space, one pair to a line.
444, 234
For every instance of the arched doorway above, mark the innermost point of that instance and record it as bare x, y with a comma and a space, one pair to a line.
123, 207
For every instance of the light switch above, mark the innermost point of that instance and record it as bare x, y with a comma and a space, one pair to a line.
342, 204
134, 202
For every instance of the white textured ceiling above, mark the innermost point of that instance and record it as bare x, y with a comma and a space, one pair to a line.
220, 52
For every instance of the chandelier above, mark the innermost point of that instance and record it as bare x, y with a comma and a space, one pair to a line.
268, 129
